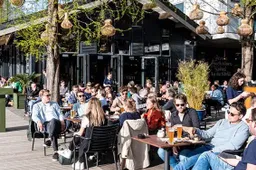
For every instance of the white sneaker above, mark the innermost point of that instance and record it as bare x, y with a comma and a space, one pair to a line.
78, 165
65, 153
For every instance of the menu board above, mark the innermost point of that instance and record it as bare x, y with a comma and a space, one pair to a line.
221, 68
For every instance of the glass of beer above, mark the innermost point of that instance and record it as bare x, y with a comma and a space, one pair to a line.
167, 126
179, 131
72, 114
171, 135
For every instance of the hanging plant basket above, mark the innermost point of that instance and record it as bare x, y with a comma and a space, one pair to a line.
245, 29
148, 6
17, 3
196, 13
164, 15
66, 24
220, 30
223, 19
237, 10
108, 30
201, 29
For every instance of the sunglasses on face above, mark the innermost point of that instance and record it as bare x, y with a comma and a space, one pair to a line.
124, 93
80, 95
180, 105
232, 114
48, 95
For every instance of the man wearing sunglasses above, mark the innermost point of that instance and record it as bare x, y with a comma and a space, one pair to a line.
118, 103
80, 106
224, 135
232, 162
49, 119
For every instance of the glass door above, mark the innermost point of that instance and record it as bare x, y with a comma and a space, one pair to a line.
117, 71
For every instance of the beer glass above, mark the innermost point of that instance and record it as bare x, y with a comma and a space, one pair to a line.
179, 131
72, 114
167, 126
171, 135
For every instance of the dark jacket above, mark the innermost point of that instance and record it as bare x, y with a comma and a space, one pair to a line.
190, 118
32, 93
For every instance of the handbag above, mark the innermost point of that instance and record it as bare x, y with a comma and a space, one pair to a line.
65, 161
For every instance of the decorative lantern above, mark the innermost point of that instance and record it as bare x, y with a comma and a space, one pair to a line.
201, 29
237, 10
66, 24
164, 15
196, 13
245, 29
17, 3
108, 30
223, 19
148, 6
45, 34
220, 30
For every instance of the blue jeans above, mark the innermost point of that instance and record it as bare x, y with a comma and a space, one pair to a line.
209, 160
187, 157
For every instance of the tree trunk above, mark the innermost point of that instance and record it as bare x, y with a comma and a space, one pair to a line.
247, 57
248, 47
53, 60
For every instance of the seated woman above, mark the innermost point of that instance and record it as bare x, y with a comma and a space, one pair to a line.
130, 112
154, 116
95, 117
184, 116
249, 110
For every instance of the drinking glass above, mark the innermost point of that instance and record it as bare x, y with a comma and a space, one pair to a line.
171, 135
179, 131
72, 114
167, 126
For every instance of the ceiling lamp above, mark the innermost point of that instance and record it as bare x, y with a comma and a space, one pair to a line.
245, 29
196, 13
223, 19
108, 29
220, 30
201, 29
237, 10
66, 24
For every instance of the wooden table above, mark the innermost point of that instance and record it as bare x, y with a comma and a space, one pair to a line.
74, 120
155, 141
66, 108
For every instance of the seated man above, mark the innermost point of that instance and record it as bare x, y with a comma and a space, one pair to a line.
248, 162
215, 98
169, 105
72, 99
48, 118
80, 106
32, 96
184, 116
118, 103
226, 134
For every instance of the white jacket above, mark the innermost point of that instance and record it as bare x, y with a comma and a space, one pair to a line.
135, 153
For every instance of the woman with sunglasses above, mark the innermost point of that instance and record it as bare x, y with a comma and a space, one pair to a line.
182, 116
210, 160
95, 117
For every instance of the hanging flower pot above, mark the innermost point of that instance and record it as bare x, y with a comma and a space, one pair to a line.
237, 10
245, 29
66, 24
201, 29
17, 3
45, 34
223, 19
196, 13
220, 30
108, 30
148, 6
164, 15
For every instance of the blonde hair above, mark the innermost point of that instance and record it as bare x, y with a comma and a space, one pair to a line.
153, 100
96, 114
130, 105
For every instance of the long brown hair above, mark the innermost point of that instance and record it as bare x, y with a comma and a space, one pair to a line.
153, 100
233, 82
96, 114
130, 106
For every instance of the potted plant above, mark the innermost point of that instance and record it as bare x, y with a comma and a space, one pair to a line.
194, 76
24, 80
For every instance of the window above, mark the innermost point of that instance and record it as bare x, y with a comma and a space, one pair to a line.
180, 6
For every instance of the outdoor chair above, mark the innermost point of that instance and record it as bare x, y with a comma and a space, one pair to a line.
238, 152
102, 139
44, 135
202, 119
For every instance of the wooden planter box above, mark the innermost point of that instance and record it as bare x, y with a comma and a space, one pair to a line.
6, 91
3, 92
19, 100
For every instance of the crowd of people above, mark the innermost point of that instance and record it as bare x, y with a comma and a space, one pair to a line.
94, 103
